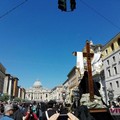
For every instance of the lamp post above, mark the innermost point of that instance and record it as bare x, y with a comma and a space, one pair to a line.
63, 97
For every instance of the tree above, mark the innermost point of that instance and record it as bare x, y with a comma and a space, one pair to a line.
16, 99
4, 97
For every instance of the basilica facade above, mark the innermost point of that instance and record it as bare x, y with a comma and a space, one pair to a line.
38, 93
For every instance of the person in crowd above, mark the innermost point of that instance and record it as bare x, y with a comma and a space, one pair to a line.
17, 115
25, 107
34, 107
1, 110
30, 115
55, 106
82, 112
49, 112
8, 112
39, 111
118, 104
43, 106
22, 108
63, 113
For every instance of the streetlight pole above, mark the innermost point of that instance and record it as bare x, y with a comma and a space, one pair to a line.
63, 96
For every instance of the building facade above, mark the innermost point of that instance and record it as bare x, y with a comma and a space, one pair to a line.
66, 90
37, 93
73, 82
111, 63
2, 76
11, 87
56, 93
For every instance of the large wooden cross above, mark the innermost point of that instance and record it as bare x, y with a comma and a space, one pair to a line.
89, 55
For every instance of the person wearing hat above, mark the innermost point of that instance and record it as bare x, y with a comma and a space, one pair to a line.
8, 111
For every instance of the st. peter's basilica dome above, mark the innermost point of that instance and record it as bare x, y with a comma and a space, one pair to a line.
37, 84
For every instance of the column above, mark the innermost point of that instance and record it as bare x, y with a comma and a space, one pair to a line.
10, 88
5, 84
18, 92
33, 96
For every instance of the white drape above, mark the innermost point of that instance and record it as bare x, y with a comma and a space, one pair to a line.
80, 62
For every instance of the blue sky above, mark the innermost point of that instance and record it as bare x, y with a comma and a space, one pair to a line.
37, 39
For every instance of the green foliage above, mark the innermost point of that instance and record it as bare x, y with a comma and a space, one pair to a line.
23, 100
4, 97
17, 99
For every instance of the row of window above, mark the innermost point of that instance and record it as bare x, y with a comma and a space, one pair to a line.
113, 60
117, 84
112, 46
114, 71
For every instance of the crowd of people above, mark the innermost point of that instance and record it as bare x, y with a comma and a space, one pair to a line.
44, 111
35, 111
58, 111
114, 104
